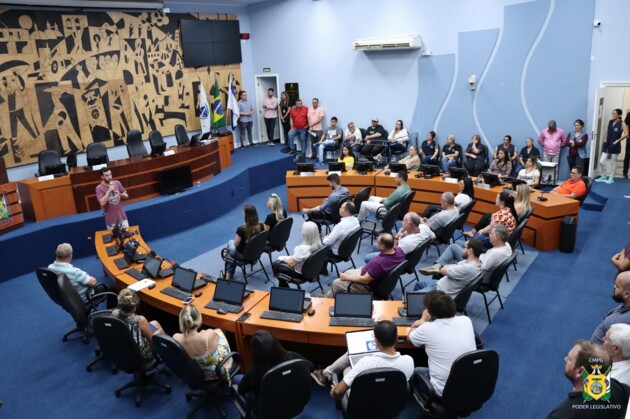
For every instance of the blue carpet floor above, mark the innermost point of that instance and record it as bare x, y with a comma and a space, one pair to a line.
558, 298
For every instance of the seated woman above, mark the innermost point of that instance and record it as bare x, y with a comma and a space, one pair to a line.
347, 156
243, 234
395, 140
412, 161
530, 173
522, 204
465, 195
277, 212
141, 329
267, 352
207, 347
506, 216
310, 244
476, 154
430, 149
502, 165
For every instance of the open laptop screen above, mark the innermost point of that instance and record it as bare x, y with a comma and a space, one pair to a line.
353, 304
231, 292
361, 341
415, 304
184, 279
286, 299
152, 266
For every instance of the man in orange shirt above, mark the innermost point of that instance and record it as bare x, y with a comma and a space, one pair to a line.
574, 187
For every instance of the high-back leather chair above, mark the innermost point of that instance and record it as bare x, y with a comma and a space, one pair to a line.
96, 151
47, 158
181, 135
135, 145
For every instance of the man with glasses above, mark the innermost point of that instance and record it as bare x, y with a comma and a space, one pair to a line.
574, 187
353, 137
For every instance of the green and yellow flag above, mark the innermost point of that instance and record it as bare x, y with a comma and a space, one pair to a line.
4, 211
218, 119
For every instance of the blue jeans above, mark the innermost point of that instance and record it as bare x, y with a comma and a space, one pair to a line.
245, 129
374, 253
322, 146
356, 148
301, 132
231, 267
447, 163
485, 239
426, 285
452, 253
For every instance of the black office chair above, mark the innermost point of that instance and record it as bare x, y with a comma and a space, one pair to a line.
332, 150
405, 204
135, 145
387, 285
278, 237
588, 181
48, 280
181, 135
515, 238
398, 151
375, 393
413, 258
158, 145
179, 362
491, 282
346, 248
284, 391
252, 253
470, 384
372, 229
446, 234
466, 209
362, 195
119, 347
97, 151
311, 269
463, 296
71, 160
46, 159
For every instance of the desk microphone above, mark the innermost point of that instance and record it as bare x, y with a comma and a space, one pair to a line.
541, 198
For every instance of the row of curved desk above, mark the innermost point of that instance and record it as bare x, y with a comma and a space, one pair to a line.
542, 230
313, 330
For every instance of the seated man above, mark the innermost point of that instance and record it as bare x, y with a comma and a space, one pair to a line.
450, 153
330, 138
368, 278
375, 137
591, 358
501, 250
343, 228
449, 212
412, 233
81, 281
617, 344
385, 335
374, 203
621, 313
445, 337
353, 137
574, 187
324, 211
456, 276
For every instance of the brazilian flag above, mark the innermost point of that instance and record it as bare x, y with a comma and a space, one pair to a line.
218, 119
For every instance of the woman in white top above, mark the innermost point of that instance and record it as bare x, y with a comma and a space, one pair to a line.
530, 173
395, 140
310, 244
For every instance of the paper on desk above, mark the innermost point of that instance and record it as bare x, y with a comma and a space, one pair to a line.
141, 284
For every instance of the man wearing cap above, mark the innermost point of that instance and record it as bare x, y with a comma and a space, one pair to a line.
374, 132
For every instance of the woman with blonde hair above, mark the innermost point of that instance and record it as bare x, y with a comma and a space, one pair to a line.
530, 173
310, 244
521, 204
277, 212
208, 347
141, 329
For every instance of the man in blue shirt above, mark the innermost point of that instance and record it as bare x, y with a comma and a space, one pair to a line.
326, 209
245, 120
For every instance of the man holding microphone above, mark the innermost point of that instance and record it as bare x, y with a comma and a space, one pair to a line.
110, 194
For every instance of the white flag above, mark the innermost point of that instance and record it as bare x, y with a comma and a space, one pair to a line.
233, 103
204, 110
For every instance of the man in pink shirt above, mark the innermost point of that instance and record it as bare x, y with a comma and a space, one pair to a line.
551, 140
110, 194
315, 128
270, 113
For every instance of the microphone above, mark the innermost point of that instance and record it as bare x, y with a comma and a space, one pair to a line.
542, 198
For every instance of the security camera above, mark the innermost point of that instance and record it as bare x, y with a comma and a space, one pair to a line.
597, 23
472, 82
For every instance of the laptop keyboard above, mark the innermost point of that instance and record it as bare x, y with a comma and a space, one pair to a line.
174, 292
165, 272
121, 263
281, 315
403, 321
355, 358
111, 250
135, 274
107, 238
230, 308
351, 321
139, 257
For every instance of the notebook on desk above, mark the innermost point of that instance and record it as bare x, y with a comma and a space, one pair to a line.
361, 343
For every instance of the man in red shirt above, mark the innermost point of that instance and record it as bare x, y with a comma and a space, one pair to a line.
299, 126
574, 187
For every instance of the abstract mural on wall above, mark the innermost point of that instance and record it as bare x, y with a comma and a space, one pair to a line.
71, 79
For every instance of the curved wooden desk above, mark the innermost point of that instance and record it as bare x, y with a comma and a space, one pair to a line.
312, 330
542, 230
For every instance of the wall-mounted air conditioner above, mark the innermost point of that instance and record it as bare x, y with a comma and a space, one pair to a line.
383, 44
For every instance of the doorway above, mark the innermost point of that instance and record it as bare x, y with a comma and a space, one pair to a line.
263, 83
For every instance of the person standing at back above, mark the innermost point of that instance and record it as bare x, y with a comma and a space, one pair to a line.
315, 128
270, 113
110, 194
245, 121
611, 148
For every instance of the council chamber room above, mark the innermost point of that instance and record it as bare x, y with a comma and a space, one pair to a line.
309, 208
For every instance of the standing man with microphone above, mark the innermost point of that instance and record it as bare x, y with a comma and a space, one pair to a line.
110, 194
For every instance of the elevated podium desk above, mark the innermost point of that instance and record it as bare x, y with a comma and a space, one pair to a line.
76, 192
542, 230
309, 191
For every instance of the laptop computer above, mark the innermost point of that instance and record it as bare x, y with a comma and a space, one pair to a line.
397, 167
352, 304
186, 280
285, 304
491, 179
228, 295
361, 343
412, 311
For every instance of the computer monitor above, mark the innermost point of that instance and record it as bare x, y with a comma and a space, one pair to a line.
336, 166
206, 135
195, 140
414, 302
152, 266
364, 167
286, 299
397, 167
175, 179
231, 292
55, 169
430, 170
491, 179
353, 304
515, 182
184, 279
96, 160
305, 167
457, 172
158, 149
